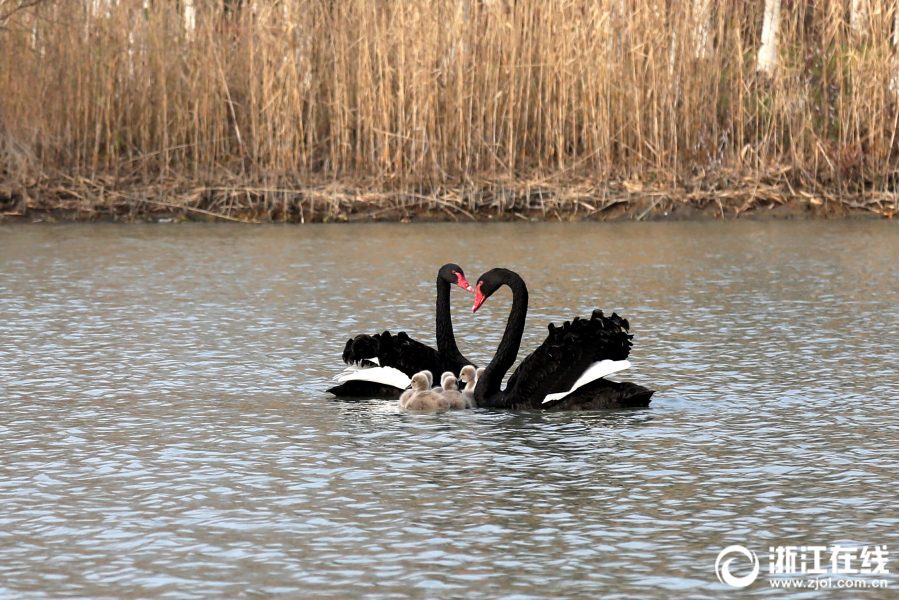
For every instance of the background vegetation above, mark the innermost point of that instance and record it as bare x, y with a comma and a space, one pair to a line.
272, 106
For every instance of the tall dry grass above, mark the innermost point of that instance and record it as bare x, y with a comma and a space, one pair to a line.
430, 94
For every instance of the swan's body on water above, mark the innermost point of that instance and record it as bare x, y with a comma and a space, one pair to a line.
595, 371
375, 374
402, 352
566, 371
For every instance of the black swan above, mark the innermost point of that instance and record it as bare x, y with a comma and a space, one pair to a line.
399, 356
565, 372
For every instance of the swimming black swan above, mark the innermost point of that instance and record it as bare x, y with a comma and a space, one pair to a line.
565, 372
399, 356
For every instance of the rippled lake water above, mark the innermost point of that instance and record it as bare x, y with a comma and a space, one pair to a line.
165, 430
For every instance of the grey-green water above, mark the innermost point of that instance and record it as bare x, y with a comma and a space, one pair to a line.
165, 431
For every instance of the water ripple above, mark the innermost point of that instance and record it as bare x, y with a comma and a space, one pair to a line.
166, 432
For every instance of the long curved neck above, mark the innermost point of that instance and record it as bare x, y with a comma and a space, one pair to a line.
508, 348
446, 341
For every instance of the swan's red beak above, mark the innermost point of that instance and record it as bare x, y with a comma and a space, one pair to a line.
460, 281
478, 300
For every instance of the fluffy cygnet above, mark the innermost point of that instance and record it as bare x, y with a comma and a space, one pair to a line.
430, 377
452, 394
468, 376
423, 398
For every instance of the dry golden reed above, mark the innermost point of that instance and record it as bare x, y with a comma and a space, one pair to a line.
434, 94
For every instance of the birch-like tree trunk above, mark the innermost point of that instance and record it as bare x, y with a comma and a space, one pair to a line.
767, 61
702, 25
190, 18
894, 26
894, 41
858, 16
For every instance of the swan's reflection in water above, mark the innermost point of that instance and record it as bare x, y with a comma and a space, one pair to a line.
166, 432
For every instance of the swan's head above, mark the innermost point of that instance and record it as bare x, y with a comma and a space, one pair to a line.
453, 274
443, 378
420, 382
449, 383
467, 374
430, 377
488, 283
480, 372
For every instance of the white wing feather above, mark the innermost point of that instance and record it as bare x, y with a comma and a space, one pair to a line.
353, 369
595, 371
385, 375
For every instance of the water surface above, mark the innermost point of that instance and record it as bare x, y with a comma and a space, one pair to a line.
166, 433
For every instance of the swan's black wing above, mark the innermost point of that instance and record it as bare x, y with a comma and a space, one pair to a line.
603, 393
408, 355
398, 351
365, 389
361, 348
563, 357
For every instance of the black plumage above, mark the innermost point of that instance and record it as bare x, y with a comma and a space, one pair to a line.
557, 363
398, 351
404, 353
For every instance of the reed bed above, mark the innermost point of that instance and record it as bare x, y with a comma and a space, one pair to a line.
311, 110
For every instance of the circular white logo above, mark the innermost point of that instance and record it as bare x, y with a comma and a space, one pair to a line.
722, 569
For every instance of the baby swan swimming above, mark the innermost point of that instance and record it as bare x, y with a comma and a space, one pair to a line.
439, 389
469, 377
452, 394
430, 379
417, 385
422, 398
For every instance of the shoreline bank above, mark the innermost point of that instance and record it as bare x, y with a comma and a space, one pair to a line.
104, 199
447, 111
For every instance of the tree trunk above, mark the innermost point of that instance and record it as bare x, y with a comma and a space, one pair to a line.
190, 18
858, 16
702, 25
767, 61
